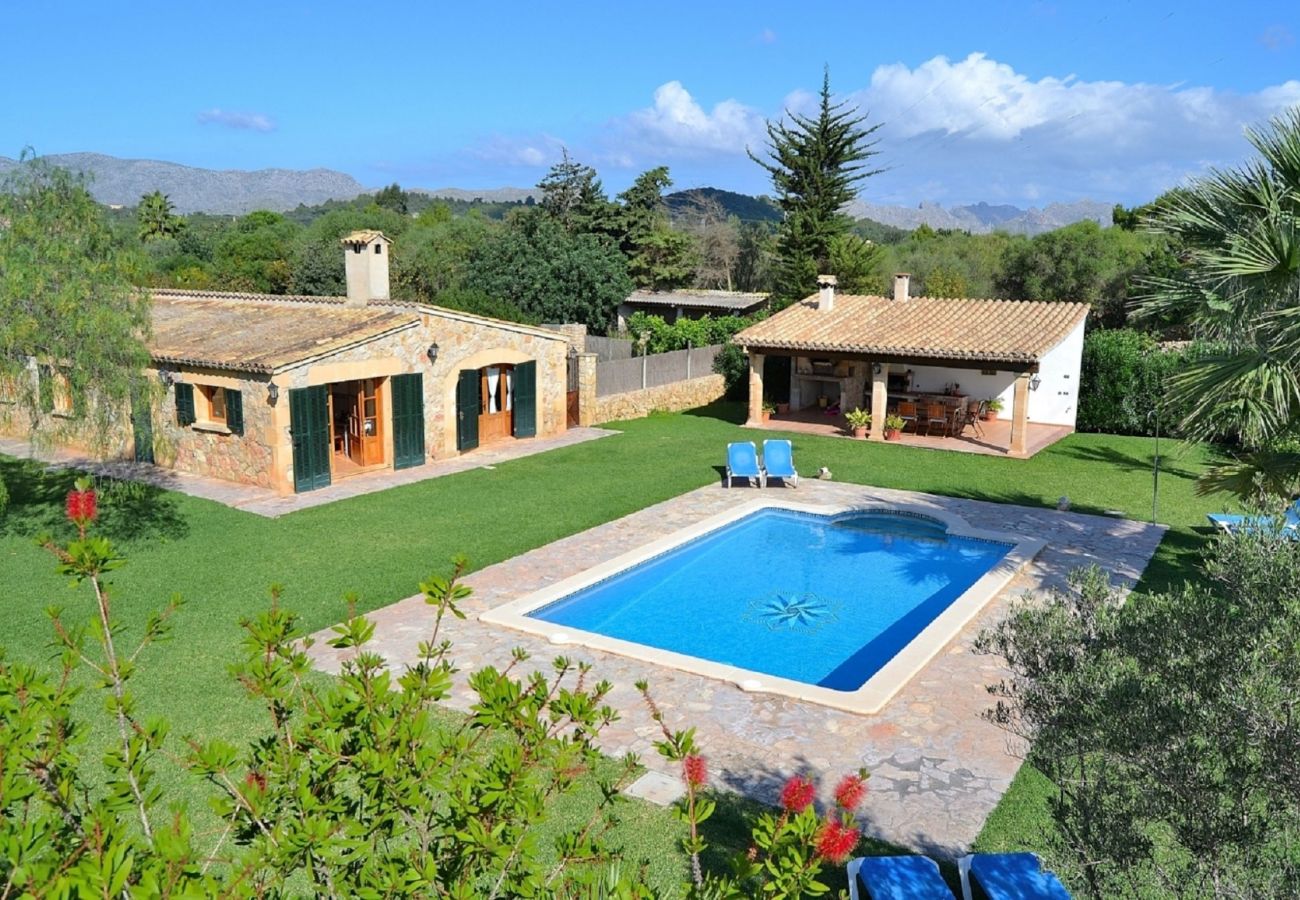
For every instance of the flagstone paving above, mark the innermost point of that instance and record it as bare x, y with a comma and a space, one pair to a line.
937, 768
265, 502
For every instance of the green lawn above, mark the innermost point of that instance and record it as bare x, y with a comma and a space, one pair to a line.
379, 546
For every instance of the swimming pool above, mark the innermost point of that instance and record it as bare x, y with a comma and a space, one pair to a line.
817, 603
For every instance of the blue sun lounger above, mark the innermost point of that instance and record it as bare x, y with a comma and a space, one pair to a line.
742, 462
778, 461
1232, 523
896, 878
1008, 876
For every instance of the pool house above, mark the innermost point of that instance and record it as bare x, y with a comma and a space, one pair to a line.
997, 377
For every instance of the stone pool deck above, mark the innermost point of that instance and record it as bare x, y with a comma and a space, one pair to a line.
937, 768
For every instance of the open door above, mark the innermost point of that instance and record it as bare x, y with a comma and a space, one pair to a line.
467, 409
309, 426
142, 424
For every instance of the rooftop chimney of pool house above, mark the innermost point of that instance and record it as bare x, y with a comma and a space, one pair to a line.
826, 292
902, 280
365, 260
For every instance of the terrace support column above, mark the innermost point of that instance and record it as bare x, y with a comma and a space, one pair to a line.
755, 419
879, 395
587, 389
1020, 416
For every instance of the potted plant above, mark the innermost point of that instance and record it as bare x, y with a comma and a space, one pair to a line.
768, 409
859, 420
893, 427
782, 409
992, 407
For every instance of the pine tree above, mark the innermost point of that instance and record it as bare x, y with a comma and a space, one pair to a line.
816, 164
658, 256
574, 197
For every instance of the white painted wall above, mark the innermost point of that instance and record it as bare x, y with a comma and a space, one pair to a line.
1056, 402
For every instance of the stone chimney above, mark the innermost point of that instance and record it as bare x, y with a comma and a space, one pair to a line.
826, 292
365, 259
901, 282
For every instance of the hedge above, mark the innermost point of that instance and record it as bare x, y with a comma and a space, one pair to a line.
1123, 378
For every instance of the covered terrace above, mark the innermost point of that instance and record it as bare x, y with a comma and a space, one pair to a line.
906, 355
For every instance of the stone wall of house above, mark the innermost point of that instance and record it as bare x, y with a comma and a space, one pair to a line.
668, 397
202, 449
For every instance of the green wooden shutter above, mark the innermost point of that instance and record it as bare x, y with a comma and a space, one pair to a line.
45, 387
235, 411
524, 420
142, 423
184, 404
408, 420
467, 404
309, 428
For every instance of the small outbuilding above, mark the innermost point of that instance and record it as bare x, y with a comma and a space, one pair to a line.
875, 352
689, 304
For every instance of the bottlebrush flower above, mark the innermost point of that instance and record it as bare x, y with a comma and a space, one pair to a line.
836, 841
82, 506
850, 791
695, 771
797, 794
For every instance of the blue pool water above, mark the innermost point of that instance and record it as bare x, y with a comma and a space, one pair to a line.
817, 599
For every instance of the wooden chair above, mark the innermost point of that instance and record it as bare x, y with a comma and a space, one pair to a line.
907, 412
936, 414
972, 417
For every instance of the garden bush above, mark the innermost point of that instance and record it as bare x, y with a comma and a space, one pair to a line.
1123, 381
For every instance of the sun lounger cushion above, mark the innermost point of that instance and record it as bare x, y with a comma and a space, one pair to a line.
1013, 876
900, 878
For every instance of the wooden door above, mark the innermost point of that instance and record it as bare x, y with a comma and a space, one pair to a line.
142, 424
370, 421
496, 415
408, 420
310, 429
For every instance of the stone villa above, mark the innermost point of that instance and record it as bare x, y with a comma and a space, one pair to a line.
292, 393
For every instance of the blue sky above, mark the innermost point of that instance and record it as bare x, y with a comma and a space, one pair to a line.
1021, 102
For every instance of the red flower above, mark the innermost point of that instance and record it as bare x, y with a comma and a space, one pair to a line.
695, 771
82, 506
797, 794
850, 791
255, 780
836, 841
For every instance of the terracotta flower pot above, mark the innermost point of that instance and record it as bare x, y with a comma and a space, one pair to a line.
782, 409
767, 416
989, 416
860, 433
892, 434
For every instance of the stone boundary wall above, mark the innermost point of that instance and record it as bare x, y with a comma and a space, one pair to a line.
669, 397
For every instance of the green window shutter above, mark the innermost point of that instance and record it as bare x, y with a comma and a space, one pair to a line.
184, 404
235, 411
408, 420
525, 408
45, 388
467, 406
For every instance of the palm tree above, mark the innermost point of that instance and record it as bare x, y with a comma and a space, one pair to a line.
1239, 290
157, 218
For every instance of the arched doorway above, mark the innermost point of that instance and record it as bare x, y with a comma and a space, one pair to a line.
496, 414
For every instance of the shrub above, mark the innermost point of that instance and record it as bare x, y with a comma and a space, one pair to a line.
1122, 381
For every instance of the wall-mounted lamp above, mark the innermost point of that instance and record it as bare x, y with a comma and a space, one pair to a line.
432, 353
272, 393
167, 377
1034, 381
875, 368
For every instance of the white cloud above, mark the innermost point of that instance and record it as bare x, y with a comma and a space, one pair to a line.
767, 36
678, 125
241, 121
955, 131
1277, 37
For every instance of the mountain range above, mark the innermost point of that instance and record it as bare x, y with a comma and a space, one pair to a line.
121, 182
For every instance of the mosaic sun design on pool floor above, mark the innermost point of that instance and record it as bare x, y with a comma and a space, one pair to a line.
798, 610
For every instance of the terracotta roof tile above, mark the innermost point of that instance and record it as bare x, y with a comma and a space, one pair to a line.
252, 336
1018, 331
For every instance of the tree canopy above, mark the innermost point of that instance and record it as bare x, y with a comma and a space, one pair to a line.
816, 164
67, 306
